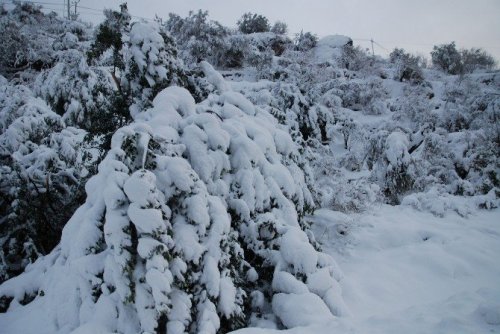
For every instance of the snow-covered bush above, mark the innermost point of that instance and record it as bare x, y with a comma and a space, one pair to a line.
86, 96
434, 161
339, 191
151, 64
251, 23
108, 41
456, 115
12, 98
30, 38
416, 105
477, 156
447, 58
394, 171
453, 61
306, 123
76, 90
453, 137
195, 216
349, 195
467, 104
407, 66
13, 48
143, 58
42, 169
198, 38
305, 41
477, 59
354, 58
256, 50
143, 61
440, 203
235, 53
361, 94
279, 28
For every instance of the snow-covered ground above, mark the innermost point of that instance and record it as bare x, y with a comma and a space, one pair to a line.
411, 272
404, 272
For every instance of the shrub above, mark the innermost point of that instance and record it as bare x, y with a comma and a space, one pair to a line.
280, 28
354, 58
447, 58
305, 41
407, 66
477, 59
197, 37
251, 23
452, 61
13, 49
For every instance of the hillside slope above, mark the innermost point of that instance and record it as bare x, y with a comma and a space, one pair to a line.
181, 176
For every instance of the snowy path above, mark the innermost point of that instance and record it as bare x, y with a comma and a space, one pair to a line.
411, 272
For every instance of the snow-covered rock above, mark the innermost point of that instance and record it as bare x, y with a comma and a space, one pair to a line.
296, 310
329, 48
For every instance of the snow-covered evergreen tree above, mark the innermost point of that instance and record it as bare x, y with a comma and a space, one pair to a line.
150, 64
143, 59
196, 214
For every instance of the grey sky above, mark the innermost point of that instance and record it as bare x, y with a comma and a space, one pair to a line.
415, 25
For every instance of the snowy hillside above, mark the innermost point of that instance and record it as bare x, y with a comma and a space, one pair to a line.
179, 176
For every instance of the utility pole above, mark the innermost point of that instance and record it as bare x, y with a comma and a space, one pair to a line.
373, 52
68, 5
75, 14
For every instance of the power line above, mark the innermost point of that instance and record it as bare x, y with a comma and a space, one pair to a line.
83, 7
428, 44
378, 43
54, 6
380, 46
36, 2
362, 39
372, 41
99, 12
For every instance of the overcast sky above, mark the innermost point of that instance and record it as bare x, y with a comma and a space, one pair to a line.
415, 25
